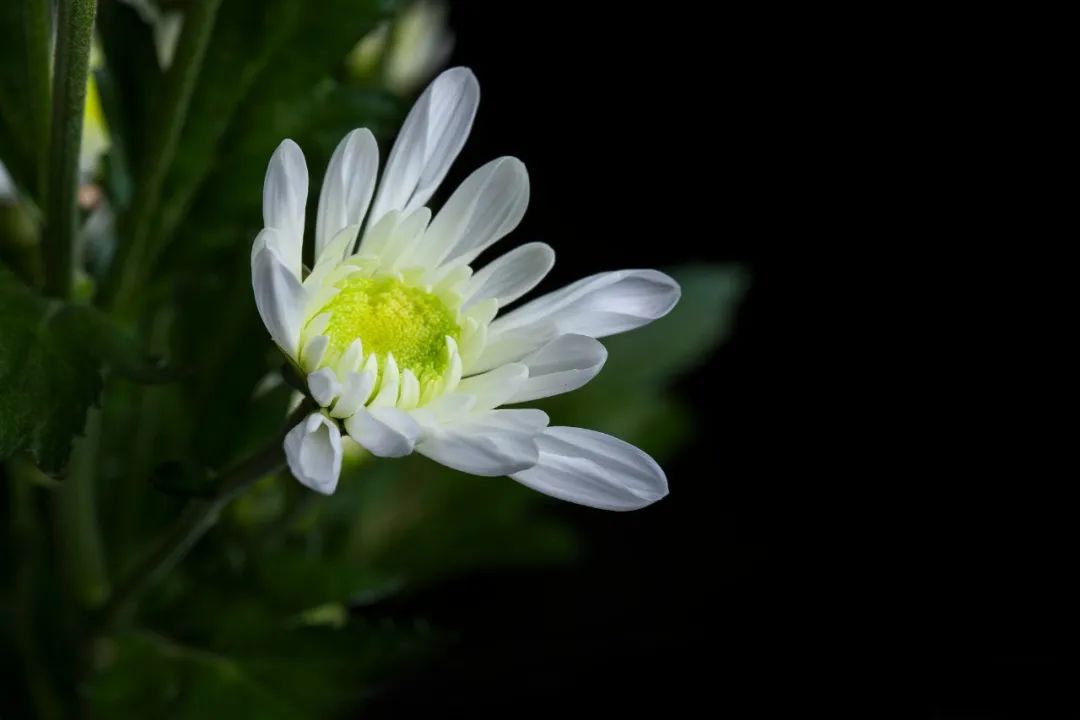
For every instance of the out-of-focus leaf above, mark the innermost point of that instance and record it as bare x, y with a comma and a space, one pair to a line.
50, 356
263, 665
415, 521
23, 95
184, 478
273, 64
115, 346
48, 380
132, 79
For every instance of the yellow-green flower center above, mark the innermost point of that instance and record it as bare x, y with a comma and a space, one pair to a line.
390, 317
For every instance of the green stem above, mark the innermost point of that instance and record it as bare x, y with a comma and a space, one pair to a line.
193, 523
136, 253
26, 546
37, 24
79, 534
74, 28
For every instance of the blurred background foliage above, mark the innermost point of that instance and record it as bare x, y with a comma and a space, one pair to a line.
159, 371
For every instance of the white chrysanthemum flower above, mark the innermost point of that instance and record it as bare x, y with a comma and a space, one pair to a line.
402, 344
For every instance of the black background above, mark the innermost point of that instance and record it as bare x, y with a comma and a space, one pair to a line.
828, 545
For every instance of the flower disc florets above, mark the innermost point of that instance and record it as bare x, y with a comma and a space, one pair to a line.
390, 317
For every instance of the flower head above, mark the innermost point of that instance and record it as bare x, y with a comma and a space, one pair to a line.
403, 345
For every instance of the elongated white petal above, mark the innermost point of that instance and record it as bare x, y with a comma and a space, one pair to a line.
285, 192
354, 393
410, 390
347, 187
597, 306
497, 442
384, 431
313, 451
280, 299
324, 386
429, 141
270, 238
388, 385
330, 255
594, 469
350, 359
313, 352
564, 364
379, 235
484, 208
495, 387
509, 277
398, 250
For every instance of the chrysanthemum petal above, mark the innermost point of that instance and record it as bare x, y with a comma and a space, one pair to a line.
594, 469
484, 208
285, 192
384, 431
564, 364
313, 451
497, 442
596, 306
324, 386
279, 298
354, 393
348, 186
429, 141
495, 387
510, 276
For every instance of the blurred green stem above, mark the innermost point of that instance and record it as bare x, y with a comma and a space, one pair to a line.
79, 535
74, 29
194, 522
37, 23
26, 547
137, 251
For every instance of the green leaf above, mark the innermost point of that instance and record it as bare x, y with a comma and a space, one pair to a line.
51, 354
48, 379
263, 665
273, 68
24, 90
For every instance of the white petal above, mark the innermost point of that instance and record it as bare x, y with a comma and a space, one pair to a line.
329, 256
284, 197
398, 251
388, 386
564, 364
384, 431
410, 390
495, 387
350, 359
354, 393
313, 451
324, 386
509, 277
484, 208
429, 141
347, 187
280, 299
597, 306
378, 236
498, 442
273, 239
594, 469
314, 351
